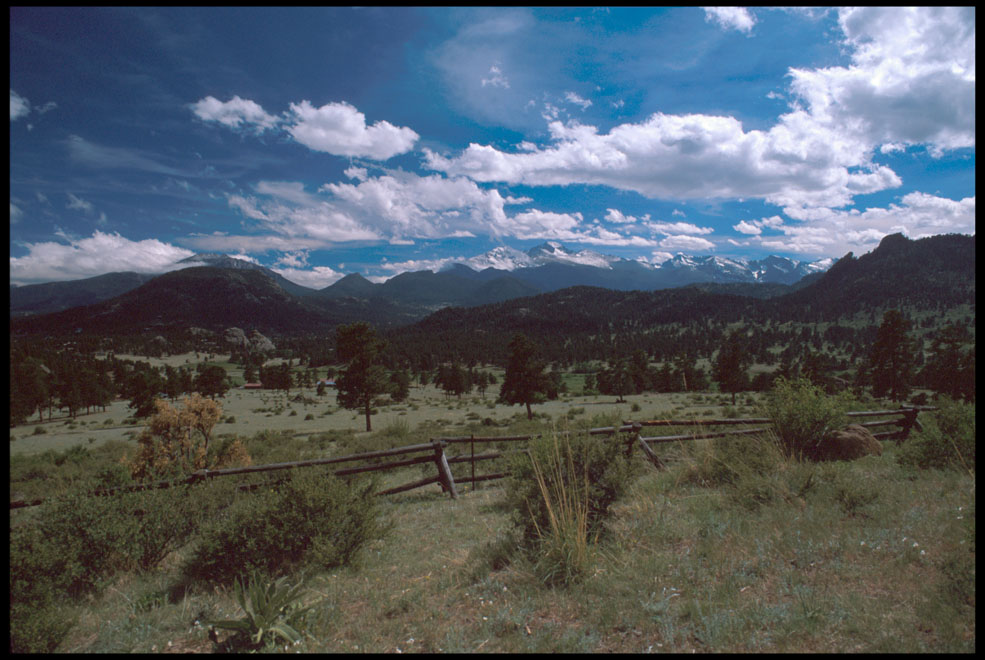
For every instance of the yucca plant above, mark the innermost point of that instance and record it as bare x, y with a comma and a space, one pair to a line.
272, 610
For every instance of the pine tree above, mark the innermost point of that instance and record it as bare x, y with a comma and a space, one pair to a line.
525, 382
891, 358
731, 365
363, 378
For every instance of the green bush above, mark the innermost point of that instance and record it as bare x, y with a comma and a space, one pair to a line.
947, 439
38, 618
311, 520
803, 415
96, 537
600, 459
76, 542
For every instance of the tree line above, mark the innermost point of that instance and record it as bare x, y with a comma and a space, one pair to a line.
890, 363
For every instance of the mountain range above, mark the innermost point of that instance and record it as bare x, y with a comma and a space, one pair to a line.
501, 274
933, 272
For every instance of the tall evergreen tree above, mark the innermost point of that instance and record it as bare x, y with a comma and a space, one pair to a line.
891, 358
950, 368
524, 382
363, 378
732, 363
212, 381
28, 389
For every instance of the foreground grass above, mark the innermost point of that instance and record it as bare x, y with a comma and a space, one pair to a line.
867, 557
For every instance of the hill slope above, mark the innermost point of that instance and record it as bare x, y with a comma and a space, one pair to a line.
56, 296
203, 296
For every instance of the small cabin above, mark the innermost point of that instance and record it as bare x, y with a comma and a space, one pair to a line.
253, 386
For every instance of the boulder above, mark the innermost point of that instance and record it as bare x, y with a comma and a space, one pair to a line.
236, 337
260, 344
847, 444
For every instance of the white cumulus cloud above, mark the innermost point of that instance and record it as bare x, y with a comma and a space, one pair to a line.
686, 243
19, 106
335, 128
836, 232
340, 129
731, 18
911, 80
87, 257
317, 277
688, 157
747, 228
234, 113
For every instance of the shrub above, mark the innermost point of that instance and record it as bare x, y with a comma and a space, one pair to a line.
803, 415
176, 442
77, 541
947, 439
38, 619
311, 520
599, 461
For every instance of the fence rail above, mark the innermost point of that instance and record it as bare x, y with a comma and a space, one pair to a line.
434, 451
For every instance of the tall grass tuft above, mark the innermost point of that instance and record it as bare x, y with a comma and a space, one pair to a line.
566, 547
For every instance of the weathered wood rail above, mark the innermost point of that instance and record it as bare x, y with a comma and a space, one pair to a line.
434, 452
907, 420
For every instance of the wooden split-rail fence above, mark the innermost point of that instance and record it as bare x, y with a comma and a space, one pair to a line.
905, 419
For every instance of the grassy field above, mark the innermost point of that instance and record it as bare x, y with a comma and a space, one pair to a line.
684, 568
255, 410
862, 556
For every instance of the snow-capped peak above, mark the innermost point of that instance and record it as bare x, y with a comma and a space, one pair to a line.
705, 268
501, 258
553, 252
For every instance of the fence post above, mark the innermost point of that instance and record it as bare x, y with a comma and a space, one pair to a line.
650, 454
444, 472
909, 421
632, 439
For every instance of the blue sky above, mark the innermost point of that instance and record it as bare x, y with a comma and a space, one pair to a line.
319, 142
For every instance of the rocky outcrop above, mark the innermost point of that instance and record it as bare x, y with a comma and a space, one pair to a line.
255, 343
260, 344
236, 337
